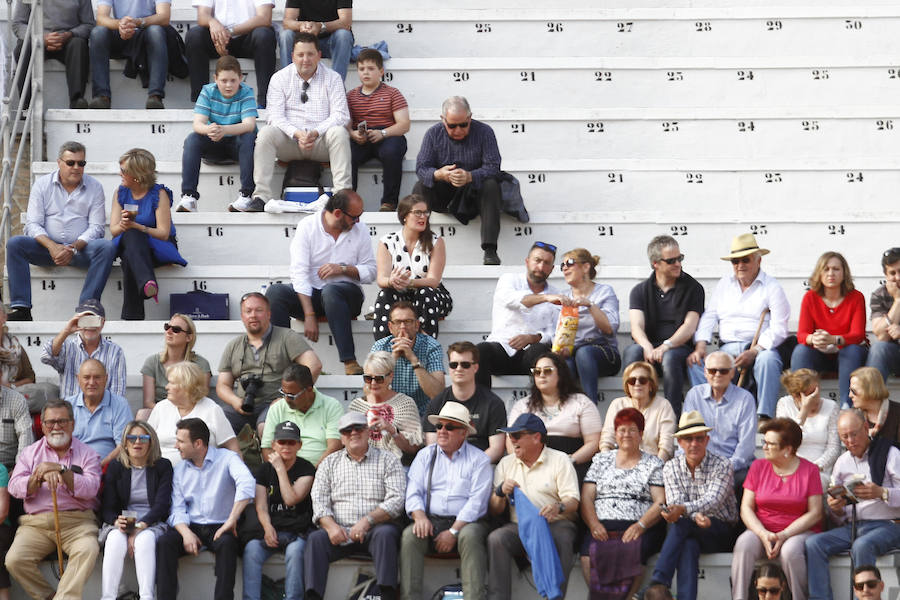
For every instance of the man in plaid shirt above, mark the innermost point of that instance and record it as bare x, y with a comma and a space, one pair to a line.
701, 507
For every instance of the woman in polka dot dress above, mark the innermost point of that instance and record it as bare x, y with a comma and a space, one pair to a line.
410, 265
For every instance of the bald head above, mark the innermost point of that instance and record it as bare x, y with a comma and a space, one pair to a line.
92, 381
853, 430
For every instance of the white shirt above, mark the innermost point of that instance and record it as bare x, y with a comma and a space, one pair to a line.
165, 416
509, 317
63, 217
847, 465
325, 106
232, 12
313, 247
737, 312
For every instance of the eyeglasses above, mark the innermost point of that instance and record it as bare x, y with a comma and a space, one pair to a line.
763, 591
460, 363
542, 371
53, 423
693, 439
673, 260
421, 213
352, 428
355, 218
290, 396
628, 431
717, 371
72, 163
448, 427
545, 246
174, 328
287, 442
144, 437
303, 95
455, 125
741, 260
869, 583
407, 322
569, 262
639, 379
768, 444
375, 378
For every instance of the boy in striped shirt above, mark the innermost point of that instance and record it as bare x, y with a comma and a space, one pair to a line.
224, 131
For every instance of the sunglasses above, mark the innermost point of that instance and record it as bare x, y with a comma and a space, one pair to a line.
639, 379
174, 328
375, 378
287, 442
543, 371
762, 591
517, 434
304, 97
742, 260
455, 125
290, 396
569, 262
448, 427
352, 428
715, 371
673, 260
545, 246
869, 583
144, 437
460, 363
72, 163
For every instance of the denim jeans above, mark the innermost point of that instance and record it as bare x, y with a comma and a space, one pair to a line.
235, 147
339, 302
766, 371
336, 46
873, 538
390, 152
685, 541
848, 359
884, 356
22, 250
590, 363
673, 369
106, 44
257, 552
259, 45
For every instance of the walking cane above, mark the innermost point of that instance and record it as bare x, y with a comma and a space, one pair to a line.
762, 319
59, 551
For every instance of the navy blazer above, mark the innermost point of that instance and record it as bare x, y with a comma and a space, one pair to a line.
117, 491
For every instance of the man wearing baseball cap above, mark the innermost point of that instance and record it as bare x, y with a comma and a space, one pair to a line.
66, 352
357, 494
447, 492
736, 306
548, 479
284, 511
700, 506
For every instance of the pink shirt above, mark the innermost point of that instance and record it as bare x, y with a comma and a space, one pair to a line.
779, 503
87, 484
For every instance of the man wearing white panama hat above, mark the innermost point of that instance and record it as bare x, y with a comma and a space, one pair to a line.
449, 484
736, 306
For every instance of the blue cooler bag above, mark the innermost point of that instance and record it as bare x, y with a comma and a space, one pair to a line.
304, 195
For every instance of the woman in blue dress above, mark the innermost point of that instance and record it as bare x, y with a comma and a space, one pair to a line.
142, 229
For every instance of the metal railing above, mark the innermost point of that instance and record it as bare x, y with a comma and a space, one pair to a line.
16, 120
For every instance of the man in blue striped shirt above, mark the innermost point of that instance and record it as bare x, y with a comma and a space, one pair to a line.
224, 130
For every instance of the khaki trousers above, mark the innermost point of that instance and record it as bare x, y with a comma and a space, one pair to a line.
473, 562
36, 538
272, 144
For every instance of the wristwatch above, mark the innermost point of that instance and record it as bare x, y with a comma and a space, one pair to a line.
454, 532
323, 27
667, 343
383, 133
62, 470
562, 507
884, 494
418, 365
370, 520
499, 491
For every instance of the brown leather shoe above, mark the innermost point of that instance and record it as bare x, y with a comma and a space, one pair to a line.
351, 367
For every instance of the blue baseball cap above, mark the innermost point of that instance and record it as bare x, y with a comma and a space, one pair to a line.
526, 422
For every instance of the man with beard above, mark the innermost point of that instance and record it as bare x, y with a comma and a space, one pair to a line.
522, 318
257, 360
331, 257
62, 463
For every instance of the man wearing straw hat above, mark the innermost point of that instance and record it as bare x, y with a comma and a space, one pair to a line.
447, 492
701, 507
66, 517
744, 303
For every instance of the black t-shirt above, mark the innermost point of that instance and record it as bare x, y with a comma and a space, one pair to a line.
297, 518
669, 309
319, 10
486, 409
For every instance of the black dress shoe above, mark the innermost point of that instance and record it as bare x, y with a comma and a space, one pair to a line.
19, 313
490, 257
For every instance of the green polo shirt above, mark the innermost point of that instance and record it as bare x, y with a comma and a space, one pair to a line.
316, 425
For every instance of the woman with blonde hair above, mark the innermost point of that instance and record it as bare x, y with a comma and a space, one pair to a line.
596, 352
187, 389
179, 339
870, 395
831, 333
142, 229
641, 386
816, 416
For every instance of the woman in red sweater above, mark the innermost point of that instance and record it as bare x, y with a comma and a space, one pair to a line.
832, 328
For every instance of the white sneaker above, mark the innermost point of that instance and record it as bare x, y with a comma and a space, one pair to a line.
242, 204
186, 204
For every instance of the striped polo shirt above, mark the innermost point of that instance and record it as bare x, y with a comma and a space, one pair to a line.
226, 111
376, 109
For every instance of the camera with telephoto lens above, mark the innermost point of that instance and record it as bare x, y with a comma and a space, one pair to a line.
252, 384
